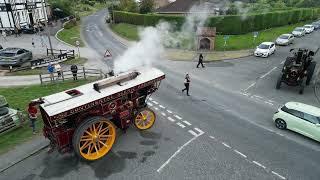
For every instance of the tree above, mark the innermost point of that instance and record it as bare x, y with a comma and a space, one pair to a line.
128, 5
146, 6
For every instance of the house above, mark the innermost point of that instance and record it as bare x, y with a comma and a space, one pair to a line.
183, 7
18, 13
160, 3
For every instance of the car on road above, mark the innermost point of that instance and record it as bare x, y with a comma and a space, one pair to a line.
299, 31
301, 118
14, 56
265, 49
309, 28
285, 39
316, 25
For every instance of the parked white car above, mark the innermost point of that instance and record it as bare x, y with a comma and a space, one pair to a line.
301, 118
309, 28
285, 39
265, 49
299, 31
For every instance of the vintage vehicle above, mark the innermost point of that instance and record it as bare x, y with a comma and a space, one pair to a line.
84, 119
298, 69
14, 56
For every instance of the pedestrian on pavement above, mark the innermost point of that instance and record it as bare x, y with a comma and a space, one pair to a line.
51, 71
74, 70
4, 35
57, 67
16, 32
186, 84
200, 61
32, 111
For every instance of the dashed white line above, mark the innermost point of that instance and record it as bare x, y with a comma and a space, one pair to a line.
280, 134
155, 102
156, 108
181, 125
226, 145
250, 86
256, 96
150, 98
178, 117
193, 133
263, 76
171, 119
258, 164
241, 154
212, 137
177, 152
269, 103
149, 104
282, 62
187, 123
169, 111
281, 177
199, 130
162, 106
163, 114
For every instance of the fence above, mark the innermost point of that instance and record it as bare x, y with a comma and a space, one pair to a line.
82, 73
59, 55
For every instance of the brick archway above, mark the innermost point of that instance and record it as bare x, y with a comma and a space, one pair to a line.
205, 44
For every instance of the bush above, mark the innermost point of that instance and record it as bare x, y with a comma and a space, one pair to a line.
69, 24
229, 24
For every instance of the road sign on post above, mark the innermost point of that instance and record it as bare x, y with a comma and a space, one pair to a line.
226, 37
78, 45
255, 35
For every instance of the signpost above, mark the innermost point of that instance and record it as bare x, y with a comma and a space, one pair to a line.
226, 37
255, 35
107, 54
78, 45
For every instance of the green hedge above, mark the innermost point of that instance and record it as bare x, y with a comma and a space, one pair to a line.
233, 24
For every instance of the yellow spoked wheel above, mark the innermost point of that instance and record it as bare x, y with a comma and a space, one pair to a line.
94, 139
144, 119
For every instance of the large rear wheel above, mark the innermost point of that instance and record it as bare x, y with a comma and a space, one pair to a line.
94, 138
144, 118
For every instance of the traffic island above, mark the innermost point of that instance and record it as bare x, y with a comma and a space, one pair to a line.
185, 55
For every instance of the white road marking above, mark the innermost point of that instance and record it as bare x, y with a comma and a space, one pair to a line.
150, 98
258, 164
270, 130
171, 119
263, 76
169, 111
187, 123
178, 117
149, 104
212, 137
269, 103
162, 106
281, 177
100, 33
156, 108
256, 96
241, 154
193, 133
250, 86
155, 102
226, 145
181, 125
282, 62
163, 114
199, 130
176, 153
280, 134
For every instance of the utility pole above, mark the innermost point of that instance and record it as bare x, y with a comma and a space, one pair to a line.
44, 12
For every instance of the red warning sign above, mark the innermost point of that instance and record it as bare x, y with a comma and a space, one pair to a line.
107, 54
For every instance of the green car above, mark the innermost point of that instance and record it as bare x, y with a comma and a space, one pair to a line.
299, 117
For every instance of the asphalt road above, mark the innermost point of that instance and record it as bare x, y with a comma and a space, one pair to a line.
224, 130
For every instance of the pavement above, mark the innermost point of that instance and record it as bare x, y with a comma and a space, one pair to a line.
224, 130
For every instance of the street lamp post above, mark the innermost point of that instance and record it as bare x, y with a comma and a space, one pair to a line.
46, 24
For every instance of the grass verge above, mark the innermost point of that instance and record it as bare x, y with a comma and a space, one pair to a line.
235, 42
37, 71
19, 97
71, 35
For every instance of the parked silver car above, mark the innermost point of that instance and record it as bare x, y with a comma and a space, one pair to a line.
285, 39
14, 56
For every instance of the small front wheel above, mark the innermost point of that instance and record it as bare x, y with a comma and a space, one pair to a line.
144, 119
281, 124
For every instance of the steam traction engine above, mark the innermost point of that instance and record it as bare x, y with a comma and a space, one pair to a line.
298, 69
85, 118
